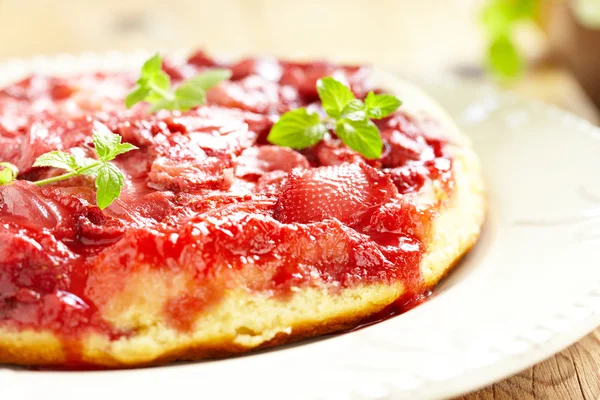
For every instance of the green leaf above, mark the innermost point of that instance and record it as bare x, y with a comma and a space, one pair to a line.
189, 96
209, 78
83, 161
152, 65
381, 105
154, 87
109, 182
159, 85
334, 95
6, 176
138, 94
354, 110
362, 136
8, 173
123, 148
500, 18
192, 93
153, 84
164, 104
57, 159
297, 129
107, 144
504, 59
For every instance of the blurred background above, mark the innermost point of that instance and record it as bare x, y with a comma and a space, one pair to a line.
549, 49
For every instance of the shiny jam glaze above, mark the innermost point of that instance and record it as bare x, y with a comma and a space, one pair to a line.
205, 197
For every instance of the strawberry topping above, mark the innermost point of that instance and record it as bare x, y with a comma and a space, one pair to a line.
207, 205
345, 192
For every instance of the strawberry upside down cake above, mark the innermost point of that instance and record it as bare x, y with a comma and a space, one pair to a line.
200, 208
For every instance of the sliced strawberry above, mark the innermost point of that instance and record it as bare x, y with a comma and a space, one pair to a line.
271, 183
190, 174
402, 122
408, 178
413, 175
254, 94
32, 258
266, 68
346, 192
400, 148
257, 161
334, 152
201, 59
304, 77
25, 204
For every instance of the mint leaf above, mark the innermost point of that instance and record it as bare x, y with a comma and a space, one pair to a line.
109, 179
152, 65
500, 18
297, 129
334, 95
208, 79
354, 110
186, 97
6, 176
192, 93
159, 85
109, 182
84, 162
504, 59
362, 136
104, 141
381, 105
123, 148
57, 159
164, 104
154, 87
138, 94
153, 84
9, 173
107, 144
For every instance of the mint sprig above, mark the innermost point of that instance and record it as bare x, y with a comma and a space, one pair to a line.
500, 19
349, 117
154, 87
109, 178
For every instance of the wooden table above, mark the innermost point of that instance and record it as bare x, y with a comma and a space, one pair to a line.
416, 37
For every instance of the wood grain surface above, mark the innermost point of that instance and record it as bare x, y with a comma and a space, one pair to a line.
571, 374
415, 37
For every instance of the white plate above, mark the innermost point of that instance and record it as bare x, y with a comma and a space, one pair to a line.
530, 287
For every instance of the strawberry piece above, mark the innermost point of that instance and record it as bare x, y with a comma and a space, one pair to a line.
401, 148
346, 192
271, 183
201, 59
334, 152
180, 174
255, 94
267, 68
256, 161
25, 204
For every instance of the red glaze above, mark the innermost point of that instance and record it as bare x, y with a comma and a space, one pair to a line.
205, 198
